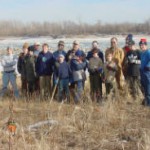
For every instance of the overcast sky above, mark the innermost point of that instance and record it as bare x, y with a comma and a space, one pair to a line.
90, 11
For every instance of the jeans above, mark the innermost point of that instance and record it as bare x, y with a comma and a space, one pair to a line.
9, 77
79, 90
63, 87
145, 81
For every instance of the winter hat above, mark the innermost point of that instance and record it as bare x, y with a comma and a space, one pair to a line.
129, 37
61, 55
78, 53
131, 42
143, 41
25, 46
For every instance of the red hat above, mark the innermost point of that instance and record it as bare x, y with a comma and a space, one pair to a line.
143, 41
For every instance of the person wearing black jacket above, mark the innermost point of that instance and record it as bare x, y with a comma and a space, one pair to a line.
133, 61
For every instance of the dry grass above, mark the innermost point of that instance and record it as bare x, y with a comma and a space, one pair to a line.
120, 124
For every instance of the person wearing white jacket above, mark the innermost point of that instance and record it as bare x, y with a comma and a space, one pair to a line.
8, 63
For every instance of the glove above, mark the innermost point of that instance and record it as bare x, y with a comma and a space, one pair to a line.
132, 61
100, 70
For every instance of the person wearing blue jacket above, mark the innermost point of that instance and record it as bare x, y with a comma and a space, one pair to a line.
60, 50
145, 70
100, 53
62, 74
78, 66
44, 69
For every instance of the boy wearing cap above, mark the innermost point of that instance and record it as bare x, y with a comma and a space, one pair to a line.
21, 68
145, 70
30, 61
78, 75
95, 68
62, 74
9, 63
133, 61
110, 70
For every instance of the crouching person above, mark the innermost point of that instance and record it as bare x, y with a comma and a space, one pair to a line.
95, 68
30, 60
78, 66
62, 76
9, 62
110, 70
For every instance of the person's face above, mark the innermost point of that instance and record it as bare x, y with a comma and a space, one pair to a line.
61, 59
60, 47
95, 45
37, 47
45, 49
132, 47
109, 57
75, 46
25, 50
143, 47
113, 43
31, 53
9, 51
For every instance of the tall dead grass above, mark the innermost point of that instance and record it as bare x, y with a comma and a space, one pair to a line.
120, 123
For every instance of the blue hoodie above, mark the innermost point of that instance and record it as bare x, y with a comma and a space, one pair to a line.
145, 60
44, 64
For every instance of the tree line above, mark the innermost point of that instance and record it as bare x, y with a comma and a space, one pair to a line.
18, 28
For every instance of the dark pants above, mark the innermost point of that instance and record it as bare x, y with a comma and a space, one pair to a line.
96, 85
24, 86
31, 87
109, 87
145, 81
63, 88
134, 85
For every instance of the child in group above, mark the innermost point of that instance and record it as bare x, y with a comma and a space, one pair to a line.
110, 69
62, 75
133, 61
95, 68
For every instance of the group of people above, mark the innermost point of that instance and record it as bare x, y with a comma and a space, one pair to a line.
63, 74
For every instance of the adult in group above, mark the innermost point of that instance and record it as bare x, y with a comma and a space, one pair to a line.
44, 69
145, 70
9, 63
118, 57
71, 53
21, 68
95, 44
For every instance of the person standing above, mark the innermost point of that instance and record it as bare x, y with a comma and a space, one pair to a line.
145, 70
21, 68
63, 74
9, 63
30, 61
110, 70
133, 60
118, 57
78, 65
95, 68
44, 69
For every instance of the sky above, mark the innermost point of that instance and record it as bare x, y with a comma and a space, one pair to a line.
89, 11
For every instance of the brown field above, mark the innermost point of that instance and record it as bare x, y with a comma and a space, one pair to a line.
119, 124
